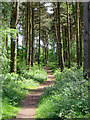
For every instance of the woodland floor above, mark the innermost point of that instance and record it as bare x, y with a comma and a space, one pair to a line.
29, 104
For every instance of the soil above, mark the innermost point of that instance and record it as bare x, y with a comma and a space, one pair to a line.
29, 104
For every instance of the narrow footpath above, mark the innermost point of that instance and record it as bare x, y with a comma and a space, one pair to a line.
29, 105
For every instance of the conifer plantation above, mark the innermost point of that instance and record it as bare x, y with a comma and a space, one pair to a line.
44, 60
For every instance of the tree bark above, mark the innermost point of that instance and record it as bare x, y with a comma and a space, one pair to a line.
87, 39
7, 46
77, 34
63, 36
65, 44
80, 31
27, 15
39, 37
29, 57
13, 25
57, 41
43, 53
68, 33
32, 35
59, 38
45, 48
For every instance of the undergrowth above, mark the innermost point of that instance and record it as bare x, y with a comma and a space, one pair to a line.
68, 98
15, 87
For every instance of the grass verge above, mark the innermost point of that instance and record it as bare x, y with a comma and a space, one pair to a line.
15, 88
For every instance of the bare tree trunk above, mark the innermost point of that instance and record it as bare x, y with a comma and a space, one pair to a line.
32, 35
65, 44
87, 38
33, 48
7, 46
27, 31
59, 38
80, 31
13, 24
24, 41
39, 37
77, 33
17, 44
71, 36
36, 55
15, 61
68, 32
45, 48
43, 54
29, 57
74, 29
63, 36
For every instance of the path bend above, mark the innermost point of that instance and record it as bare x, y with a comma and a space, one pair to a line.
29, 104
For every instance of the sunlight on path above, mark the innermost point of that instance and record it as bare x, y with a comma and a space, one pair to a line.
32, 100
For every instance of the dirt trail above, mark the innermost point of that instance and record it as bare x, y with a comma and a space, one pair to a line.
31, 101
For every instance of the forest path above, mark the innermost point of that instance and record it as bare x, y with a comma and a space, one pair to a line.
30, 103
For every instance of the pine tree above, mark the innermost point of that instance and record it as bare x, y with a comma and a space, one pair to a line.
13, 25
59, 38
87, 38
39, 37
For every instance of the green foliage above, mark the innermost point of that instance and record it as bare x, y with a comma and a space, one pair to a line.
68, 98
53, 65
38, 74
15, 87
8, 110
5, 64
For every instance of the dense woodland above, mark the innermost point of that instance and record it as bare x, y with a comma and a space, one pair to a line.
37, 34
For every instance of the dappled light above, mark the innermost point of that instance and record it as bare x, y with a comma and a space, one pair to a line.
45, 60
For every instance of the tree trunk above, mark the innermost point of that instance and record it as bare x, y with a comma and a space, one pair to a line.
24, 41
45, 48
71, 36
59, 38
68, 33
27, 31
63, 36
7, 46
77, 33
33, 48
17, 44
13, 25
87, 38
32, 35
43, 54
29, 57
39, 37
56, 29
65, 44
80, 31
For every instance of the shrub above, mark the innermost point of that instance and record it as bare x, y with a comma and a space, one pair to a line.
68, 98
15, 87
38, 74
